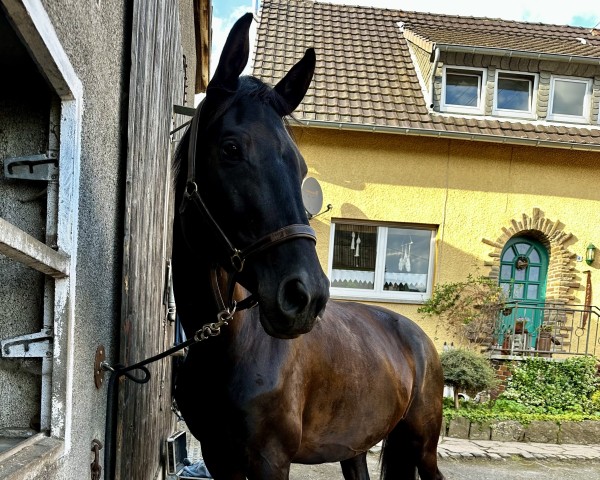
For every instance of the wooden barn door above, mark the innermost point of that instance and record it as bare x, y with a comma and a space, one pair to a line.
157, 81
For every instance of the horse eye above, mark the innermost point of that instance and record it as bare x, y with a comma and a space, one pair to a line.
231, 150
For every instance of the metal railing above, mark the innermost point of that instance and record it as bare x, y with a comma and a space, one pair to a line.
546, 330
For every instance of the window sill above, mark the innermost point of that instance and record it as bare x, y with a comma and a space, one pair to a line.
417, 299
450, 109
516, 114
30, 458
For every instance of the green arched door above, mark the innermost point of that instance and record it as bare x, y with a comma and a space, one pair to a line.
523, 270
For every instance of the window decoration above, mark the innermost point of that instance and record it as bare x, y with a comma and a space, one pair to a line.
392, 263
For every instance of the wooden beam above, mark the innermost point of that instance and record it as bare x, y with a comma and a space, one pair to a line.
22, 247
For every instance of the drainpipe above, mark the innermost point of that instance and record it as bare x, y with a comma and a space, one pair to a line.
436, 60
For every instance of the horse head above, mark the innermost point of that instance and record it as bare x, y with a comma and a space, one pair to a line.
246, 172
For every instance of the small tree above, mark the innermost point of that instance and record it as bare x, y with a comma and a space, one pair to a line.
467, 370
466, 309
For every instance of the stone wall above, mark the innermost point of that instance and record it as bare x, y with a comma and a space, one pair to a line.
586, 432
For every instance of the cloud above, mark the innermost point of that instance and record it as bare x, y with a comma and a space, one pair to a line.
573, 12
220, 30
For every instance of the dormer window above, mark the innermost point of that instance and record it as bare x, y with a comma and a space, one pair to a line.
569, 99
514, 95
462, 90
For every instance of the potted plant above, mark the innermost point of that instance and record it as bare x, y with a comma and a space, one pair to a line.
544, 340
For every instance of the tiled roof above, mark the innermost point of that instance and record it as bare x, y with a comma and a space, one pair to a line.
365, 75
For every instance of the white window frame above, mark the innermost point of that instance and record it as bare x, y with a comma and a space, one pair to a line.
378, 293
505, 112
481, 73
587, 100
32, 22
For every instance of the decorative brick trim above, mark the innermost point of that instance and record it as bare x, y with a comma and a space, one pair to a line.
561, 278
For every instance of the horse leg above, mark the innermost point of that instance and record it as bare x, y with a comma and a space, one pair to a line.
398, 460
355, 468
408, 449
264, 469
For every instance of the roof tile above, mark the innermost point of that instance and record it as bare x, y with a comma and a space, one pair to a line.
365, 74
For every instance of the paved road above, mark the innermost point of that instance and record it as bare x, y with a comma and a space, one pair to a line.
514, 468
461, 459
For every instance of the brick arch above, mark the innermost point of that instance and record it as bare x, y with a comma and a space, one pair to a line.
561, 279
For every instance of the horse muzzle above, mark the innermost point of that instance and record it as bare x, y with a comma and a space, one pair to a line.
300, 302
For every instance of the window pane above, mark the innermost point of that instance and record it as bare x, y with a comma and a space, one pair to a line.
505, 273
354, 251
407, 260
520, 274
518, 290
522, 247
568, 97
508, 256
505, 288
514, 93
462, 89
534, 256
534, 274
532, 291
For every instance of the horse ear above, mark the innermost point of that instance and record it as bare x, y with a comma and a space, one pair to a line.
234, 56
294, 85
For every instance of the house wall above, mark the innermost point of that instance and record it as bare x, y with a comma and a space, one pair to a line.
471, 190
96, 39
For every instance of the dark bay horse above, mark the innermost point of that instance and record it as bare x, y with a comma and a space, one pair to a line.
297, 378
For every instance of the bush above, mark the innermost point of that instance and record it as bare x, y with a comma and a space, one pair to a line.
467, 370
595, 402
467, 309
554, 387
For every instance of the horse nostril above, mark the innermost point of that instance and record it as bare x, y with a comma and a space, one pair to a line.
295, 297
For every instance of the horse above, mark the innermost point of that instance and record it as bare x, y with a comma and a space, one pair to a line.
293, 377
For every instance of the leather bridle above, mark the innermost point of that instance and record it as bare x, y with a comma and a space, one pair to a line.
236, 256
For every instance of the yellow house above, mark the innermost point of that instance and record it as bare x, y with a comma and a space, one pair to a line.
449, 146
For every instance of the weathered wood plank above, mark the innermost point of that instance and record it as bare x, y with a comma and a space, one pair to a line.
156, 84
22, 247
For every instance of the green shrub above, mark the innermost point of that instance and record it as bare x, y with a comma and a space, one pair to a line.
553, 387
595, 401
466, 310
467, 370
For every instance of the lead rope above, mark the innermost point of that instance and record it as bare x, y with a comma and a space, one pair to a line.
119, 370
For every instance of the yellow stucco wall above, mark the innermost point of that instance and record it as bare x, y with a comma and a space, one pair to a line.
469, 189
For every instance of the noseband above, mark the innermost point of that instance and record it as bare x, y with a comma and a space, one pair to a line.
237, 256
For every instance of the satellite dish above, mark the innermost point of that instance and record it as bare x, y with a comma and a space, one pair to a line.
312, 196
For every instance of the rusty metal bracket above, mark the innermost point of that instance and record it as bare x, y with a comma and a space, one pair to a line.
95, 465
98, 370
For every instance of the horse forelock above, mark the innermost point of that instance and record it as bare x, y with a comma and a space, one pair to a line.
248, 87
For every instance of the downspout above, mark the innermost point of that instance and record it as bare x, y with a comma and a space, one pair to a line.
436, 60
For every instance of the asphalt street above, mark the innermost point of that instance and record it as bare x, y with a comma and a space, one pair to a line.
513, 468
